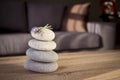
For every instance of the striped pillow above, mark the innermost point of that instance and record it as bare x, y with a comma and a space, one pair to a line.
76, 17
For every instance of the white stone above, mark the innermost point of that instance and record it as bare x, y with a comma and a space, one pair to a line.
45, 34
42, 45
40, 67
42, 56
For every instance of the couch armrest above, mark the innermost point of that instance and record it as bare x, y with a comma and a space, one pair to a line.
107, 32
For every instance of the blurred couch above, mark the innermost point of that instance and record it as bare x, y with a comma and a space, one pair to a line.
18, 17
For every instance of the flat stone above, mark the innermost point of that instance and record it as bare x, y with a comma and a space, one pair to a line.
42, 45
43, 34
40, 67
42, 56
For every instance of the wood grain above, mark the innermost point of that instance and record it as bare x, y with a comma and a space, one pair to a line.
84, 65
112, 75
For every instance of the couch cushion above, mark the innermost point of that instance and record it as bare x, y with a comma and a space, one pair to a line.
77, 40
42, 14
14, 44
12, 17
75, 17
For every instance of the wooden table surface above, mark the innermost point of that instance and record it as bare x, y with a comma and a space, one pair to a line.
85, 65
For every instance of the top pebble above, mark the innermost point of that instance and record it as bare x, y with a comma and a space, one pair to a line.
43, 33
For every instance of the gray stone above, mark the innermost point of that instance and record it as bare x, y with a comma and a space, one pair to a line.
40, 67
42, 56
42, 34
42, 45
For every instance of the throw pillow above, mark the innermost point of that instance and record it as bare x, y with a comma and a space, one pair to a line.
76, 17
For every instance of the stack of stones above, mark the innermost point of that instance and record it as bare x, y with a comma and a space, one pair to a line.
41, 56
